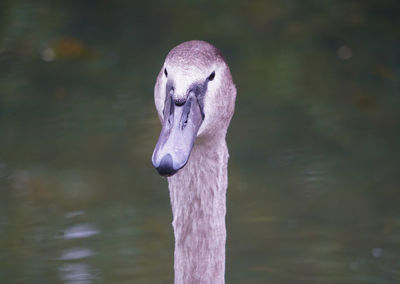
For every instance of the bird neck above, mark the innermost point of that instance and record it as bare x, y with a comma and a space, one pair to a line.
198, 199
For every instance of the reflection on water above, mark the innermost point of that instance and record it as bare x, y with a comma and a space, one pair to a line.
75, 273
76, 253
73, 214
314, 144
80, 231
73, 267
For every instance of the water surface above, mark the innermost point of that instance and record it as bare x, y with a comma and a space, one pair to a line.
314, 144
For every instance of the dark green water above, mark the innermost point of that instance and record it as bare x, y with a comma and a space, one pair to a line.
314, 178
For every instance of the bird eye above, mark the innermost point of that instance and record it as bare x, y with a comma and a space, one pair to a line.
165, 72
211, 77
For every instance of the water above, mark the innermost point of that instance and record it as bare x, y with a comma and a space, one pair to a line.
314, 143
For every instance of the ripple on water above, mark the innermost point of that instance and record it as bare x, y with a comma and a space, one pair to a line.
76, 253
81, 273
80, 231
73, 214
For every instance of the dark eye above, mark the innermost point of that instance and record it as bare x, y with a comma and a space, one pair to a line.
211, 77
165, 72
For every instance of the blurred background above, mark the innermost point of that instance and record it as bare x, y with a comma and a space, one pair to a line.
314, 178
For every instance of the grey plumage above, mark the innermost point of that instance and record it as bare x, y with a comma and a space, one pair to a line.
197, 183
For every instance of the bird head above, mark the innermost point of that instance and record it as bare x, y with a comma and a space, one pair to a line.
194, 97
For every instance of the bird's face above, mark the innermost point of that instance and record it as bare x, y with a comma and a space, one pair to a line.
194, 96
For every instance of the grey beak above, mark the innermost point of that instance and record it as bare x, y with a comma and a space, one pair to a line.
179, 130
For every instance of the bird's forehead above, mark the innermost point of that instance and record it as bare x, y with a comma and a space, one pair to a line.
183, 77
185, 68
187, 74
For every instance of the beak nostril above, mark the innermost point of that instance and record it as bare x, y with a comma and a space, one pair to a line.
184, 124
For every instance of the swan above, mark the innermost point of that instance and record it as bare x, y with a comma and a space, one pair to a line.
195, 99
